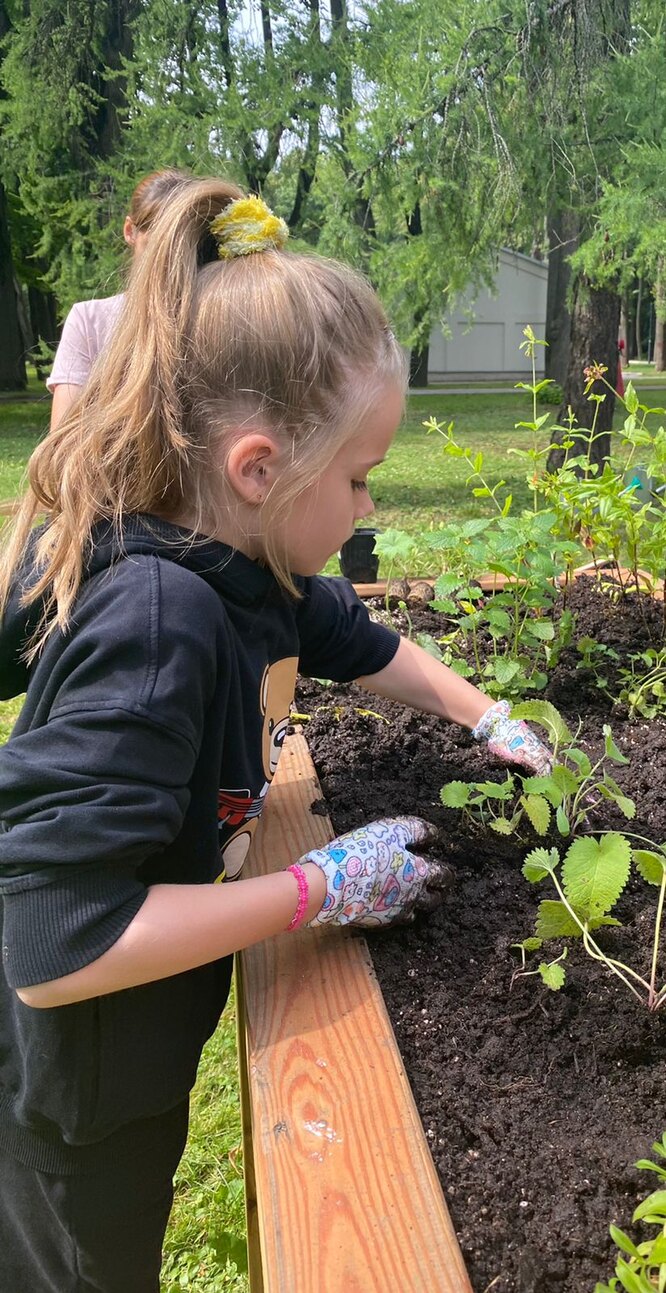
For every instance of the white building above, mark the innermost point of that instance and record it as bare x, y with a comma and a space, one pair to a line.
481, 338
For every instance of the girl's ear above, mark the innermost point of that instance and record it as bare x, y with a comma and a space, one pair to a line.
252, 466
129, 232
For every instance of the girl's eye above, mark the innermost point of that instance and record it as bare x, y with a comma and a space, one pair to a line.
359, 484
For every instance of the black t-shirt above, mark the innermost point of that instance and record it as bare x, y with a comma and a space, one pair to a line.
147, 742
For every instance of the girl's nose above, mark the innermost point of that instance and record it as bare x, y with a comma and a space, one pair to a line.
365, 507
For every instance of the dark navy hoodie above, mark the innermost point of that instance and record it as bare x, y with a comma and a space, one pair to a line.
145, 747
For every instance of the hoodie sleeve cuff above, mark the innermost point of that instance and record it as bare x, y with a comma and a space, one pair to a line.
78, 918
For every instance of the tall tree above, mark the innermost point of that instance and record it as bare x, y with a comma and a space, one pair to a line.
57, 139
12, 345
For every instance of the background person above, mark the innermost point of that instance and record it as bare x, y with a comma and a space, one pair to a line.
88, 324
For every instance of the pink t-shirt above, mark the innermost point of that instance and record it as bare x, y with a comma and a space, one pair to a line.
85, 332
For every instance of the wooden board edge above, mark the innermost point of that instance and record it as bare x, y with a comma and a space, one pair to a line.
270, 1044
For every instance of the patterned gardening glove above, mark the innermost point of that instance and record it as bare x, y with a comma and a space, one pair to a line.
373, 877
511, 740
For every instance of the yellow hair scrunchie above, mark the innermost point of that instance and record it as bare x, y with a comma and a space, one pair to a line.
248, 225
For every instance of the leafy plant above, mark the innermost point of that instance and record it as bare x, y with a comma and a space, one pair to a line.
560, 800
643, 684
551, 972
641, 1268
521, 551
608, 510
593, 874
593, 655
398, 550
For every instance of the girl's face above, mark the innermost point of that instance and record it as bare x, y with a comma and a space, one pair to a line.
325, 514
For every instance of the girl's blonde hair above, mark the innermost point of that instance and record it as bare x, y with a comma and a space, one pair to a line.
203, 348
151, 193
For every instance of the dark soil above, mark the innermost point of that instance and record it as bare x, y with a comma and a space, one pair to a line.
535, 1104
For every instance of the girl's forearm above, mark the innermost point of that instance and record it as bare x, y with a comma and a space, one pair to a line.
416, 678
180, 927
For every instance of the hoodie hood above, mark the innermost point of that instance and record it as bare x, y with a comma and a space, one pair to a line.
232, 574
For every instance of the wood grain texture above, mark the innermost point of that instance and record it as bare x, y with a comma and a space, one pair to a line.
347, 1196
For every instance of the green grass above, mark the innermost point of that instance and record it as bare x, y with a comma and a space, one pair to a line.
205, 1242
22, 425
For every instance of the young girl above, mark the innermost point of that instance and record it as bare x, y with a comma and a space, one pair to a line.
156, 621
88, 324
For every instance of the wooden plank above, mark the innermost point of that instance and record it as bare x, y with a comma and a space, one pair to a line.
494, 583
347, 1193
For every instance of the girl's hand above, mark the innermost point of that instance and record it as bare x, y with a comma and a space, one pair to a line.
373, 877
512, 740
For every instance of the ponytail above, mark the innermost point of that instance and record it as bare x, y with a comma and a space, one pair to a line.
203, 345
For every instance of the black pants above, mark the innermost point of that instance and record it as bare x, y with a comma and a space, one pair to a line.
101, 1232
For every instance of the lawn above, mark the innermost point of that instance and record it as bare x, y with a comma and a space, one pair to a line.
415, 489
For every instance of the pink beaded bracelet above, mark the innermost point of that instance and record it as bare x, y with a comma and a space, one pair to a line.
303, 895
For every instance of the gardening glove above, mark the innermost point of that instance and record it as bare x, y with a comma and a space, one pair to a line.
373, 877
511, 740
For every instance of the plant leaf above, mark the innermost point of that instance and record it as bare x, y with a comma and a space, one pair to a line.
595, 872
455, 794
502, 826
505, 670
539, 863
563, 824
543, 786
652, 1208
541, 711
650, 865
612, 751
553, 975
624, 1243
541, 629
565, 779
538, 811
554, 921
631, 1282
658, 1253
581, 760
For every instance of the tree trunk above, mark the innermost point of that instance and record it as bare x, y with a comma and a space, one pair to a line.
595, 319
563, 237
418, 365
660, 318
44, 324
639, 330
631, 324
12, 350
659, 347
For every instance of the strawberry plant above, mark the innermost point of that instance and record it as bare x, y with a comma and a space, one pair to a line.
559, 801
588, 883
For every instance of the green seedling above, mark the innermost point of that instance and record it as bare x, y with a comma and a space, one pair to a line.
551, 972
588, 882
643, 684
593, 656
641, 1268
559, 801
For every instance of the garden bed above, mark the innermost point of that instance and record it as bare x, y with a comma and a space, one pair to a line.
535, 1104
